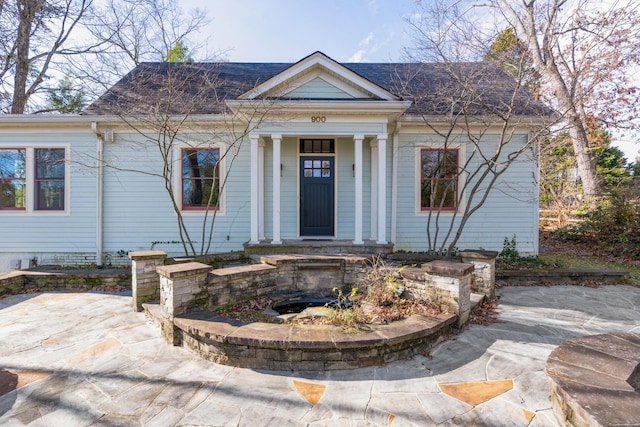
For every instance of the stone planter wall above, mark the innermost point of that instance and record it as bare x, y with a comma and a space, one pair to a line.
231, 284
190, 292
445, 283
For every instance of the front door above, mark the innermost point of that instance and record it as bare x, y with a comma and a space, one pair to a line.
317, 196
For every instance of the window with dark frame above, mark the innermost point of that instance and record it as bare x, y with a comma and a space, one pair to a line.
13, 179
49, 179
200, 178
438, 179
317, 146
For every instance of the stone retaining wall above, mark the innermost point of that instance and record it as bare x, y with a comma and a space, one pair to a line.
228, 285
193, 286
562, 276
65, 280
190, 292
308, 347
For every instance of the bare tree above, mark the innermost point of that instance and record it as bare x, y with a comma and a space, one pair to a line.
474, 104
584, 57
129, 32
177, 109
33, 34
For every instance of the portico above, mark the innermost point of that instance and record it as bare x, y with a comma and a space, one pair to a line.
318, 155
332, 192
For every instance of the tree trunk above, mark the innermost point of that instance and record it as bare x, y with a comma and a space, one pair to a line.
575, 122
541, 42
27, 12
585, 161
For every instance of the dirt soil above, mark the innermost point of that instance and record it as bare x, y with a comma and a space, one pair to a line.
552, 245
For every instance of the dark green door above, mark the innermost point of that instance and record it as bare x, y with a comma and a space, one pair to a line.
317, 196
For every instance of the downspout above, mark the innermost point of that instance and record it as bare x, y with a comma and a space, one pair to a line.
394, 181
536, 152
99, 193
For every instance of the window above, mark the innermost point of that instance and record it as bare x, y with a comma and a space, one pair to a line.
200, 178
438, 179
317, 146
13, 179
49, 179
33, 179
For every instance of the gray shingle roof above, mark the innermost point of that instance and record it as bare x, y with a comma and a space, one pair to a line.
202, 88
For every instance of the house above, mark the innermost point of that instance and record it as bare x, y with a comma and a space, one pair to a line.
386, 155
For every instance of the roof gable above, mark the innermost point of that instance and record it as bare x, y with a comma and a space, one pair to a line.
319, 88
319, 77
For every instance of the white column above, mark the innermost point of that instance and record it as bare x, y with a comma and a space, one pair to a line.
374, 189
382, 186
394, 182
357, 170
276, 189
261, 190
255, 200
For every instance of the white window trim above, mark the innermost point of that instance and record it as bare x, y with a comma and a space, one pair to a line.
177, 178
461, 147
30, 182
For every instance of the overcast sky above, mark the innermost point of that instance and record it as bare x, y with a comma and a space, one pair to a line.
289, 30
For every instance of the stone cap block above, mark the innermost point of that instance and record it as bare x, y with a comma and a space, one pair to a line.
413, 273
478, 254
242, 270
302, 259
183, 270
448, 268
145, 255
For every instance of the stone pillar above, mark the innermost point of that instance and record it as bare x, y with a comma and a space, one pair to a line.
484, 271
179, 286
451, 282
145, 282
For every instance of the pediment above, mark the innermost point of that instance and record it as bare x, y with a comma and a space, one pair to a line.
318, 77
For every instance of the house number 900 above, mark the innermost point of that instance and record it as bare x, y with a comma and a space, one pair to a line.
318, 119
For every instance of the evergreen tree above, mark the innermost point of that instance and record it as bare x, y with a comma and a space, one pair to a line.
511, 55
178, 53
65, 98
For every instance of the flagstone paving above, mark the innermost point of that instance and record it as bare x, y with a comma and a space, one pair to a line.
80, 359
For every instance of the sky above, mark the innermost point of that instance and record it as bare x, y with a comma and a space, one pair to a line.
289, 30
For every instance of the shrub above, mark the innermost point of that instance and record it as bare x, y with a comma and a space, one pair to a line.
613, 225
510, 258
